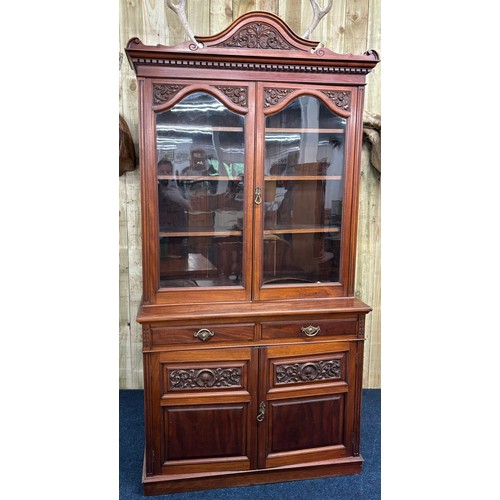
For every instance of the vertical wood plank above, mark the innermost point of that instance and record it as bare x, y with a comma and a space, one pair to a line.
155, 25
241, 7
373, 79
290, 12
135, 274
267, 6
355, 41
124, 345
367, 286
198, 15
335, 24
130, 26
221, 15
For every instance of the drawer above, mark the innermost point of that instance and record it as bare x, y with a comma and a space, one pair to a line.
202, 334
310, 328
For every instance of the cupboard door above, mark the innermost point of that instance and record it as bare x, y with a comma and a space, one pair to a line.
307, 404
204, 410
202, 169
303, 220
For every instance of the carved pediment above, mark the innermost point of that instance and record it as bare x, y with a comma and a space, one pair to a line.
257, 35
258, 31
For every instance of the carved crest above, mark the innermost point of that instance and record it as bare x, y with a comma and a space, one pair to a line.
164, 92
257, 35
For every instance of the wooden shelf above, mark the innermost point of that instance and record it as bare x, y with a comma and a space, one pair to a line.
201, 232
302, 230
303, 178
198, 178
305, 130
199, 129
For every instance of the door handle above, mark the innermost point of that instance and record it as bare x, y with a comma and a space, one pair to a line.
258, 196
262, 412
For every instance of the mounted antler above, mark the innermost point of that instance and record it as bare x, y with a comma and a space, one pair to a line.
318, 15
180, 10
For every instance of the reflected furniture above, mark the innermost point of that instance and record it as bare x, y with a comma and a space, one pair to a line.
252, 336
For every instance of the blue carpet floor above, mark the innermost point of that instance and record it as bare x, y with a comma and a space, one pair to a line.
365, 486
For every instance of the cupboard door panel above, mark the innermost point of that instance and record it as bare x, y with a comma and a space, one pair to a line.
301, 423
194, 432
204, 401
307, 391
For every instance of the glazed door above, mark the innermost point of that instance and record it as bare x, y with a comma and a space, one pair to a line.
204, 167
204, 410
306, 403
302, 233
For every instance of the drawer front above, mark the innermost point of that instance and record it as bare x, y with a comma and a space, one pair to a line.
309, 328
202, 334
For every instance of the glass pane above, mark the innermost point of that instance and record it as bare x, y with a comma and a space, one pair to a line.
304, 185
201, 158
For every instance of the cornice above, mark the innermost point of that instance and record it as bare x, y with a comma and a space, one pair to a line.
257, 41
137, 58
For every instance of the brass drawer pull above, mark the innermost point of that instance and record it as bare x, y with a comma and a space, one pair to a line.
262, 412
310, 330
204, 334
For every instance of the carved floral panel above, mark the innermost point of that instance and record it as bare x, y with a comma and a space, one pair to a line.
273, 96
237, 94
308, 372
339, 98
163, 92
258, 35
205, 378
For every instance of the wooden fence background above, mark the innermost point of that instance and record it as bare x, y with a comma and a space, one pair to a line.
352, 26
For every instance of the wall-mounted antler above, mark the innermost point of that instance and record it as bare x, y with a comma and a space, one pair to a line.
317, 16
180, 10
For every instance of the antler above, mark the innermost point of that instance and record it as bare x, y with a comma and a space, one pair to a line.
180, 10
318, 14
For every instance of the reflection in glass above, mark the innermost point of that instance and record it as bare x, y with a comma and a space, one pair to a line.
304, 166
201, 153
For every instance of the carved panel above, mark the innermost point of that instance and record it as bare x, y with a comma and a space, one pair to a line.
146, 337
308, 372
258, 35
164, 92
340, 99
361, 325
237, 94
205, 378
274, 96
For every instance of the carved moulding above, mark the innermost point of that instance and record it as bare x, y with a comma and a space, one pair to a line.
340, 99
163, 92
258, 35
146, 337
275, 96
236, 94
205, 378
307, 372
